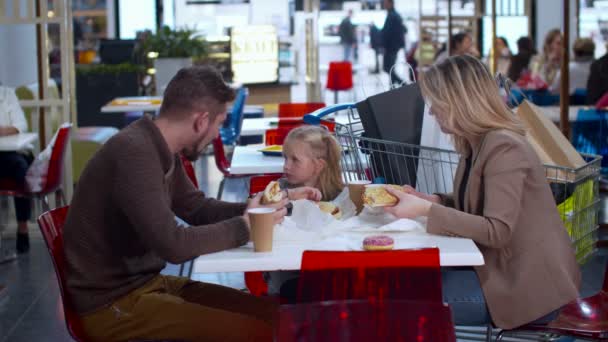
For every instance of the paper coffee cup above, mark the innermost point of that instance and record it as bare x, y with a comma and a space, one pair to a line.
355, 190
262, 228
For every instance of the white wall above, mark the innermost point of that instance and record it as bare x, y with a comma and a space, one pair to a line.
550, 15
18, 65
270, 12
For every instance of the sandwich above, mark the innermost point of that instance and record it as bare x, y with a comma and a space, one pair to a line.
330, 208
272, 193
377, 196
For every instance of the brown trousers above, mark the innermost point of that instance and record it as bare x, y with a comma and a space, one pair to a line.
177, 308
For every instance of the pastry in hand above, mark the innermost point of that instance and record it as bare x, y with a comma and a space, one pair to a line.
377, 196
272, 193
331, 209
378, 243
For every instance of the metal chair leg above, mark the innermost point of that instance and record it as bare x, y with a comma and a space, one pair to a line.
45, 203
59, 198
181, 269
221, 189
489, 333
191, 269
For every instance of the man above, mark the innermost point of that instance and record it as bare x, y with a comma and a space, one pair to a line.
121, 231
15, 163
375, 40
346, 31
597, 85
393, 37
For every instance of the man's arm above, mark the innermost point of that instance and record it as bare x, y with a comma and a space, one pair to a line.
139, 190
191, 204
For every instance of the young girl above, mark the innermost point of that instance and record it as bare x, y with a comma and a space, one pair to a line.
312, 159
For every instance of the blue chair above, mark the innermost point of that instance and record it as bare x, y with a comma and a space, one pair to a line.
231, 130
578, 97
589, 133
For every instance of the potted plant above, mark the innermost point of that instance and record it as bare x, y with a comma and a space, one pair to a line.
173, 50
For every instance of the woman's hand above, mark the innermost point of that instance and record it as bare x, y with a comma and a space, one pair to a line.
278, 215
305, 192
409, 206
431, 198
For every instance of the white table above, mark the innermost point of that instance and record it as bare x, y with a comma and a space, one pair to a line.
17, 142
131, 104
287, 255
553, 112
259, 126
248, 160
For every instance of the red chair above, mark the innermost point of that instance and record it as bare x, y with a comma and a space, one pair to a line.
52, 180
276, 136
339, 77
189, 168
584, 318
255, 280
406, 274
223, 164
361, 320
51, 225
298, 110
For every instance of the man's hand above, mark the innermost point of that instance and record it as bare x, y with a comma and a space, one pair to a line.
278, 215
8, 130
431, 198
305, 192
409, 206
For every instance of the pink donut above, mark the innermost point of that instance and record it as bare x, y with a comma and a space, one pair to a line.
378, 243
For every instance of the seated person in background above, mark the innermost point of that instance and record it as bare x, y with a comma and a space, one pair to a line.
15, 163
547, 64
501, 200
121, 230
312, 159
584, 50
521, 61
597, 85
462, 44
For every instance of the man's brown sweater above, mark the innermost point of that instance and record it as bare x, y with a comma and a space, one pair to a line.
121, 228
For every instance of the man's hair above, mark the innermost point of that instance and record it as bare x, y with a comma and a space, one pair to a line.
197, 88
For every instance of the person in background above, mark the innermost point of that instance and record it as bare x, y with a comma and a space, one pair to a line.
462, 44
14, 164
584, 51
348, 38
504, 55
375, 39
393, 40
121, 230
520, 62
547, 64
597, 85
530, 270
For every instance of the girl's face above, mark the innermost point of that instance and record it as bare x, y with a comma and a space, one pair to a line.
556, 47
301, 167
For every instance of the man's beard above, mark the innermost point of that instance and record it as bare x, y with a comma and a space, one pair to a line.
194, 151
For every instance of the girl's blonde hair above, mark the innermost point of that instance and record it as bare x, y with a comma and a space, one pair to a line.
549, 38
463, 88
322, 146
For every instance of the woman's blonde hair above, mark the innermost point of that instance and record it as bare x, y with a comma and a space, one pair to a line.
462, 88
549, 38
322, 146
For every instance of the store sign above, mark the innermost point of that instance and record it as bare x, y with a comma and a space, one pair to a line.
254, 54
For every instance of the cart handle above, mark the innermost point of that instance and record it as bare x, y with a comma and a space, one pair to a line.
315, 117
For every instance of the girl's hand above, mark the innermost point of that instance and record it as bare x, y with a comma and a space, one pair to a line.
305, 192
431, 198
409, 206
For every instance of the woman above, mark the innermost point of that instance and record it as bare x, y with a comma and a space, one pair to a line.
462, 44
549, 62
501, 200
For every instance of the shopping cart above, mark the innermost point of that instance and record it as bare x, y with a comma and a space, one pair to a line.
432, 170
